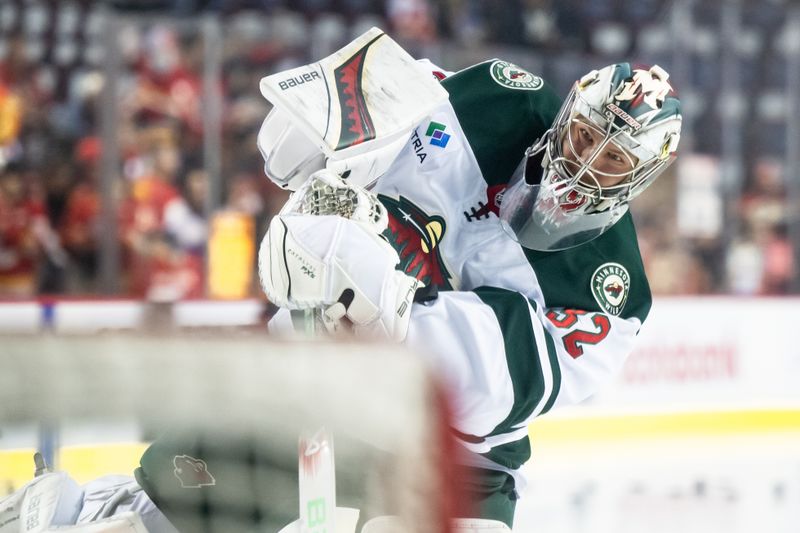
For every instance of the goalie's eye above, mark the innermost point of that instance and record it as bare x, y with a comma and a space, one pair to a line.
585, 135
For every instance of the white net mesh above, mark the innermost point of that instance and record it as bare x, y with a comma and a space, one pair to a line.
243, 402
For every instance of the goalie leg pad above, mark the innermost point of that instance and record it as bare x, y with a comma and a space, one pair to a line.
392, 524
128, 522
109, 497
48, 500
479, 525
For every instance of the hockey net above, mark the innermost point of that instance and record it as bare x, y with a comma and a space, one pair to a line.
250, 399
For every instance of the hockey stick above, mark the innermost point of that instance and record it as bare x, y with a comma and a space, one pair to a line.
309, 321
317, 483
316, 469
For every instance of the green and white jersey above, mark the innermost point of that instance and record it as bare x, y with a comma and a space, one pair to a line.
515, 332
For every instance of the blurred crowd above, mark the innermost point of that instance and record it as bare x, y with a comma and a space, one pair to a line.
696, 238
51, 221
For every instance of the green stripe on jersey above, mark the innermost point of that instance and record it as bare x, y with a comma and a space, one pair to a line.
499, 122
556, 368
511, 454
522, 355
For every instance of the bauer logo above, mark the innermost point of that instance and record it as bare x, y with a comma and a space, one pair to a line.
610, 286
192, 473
437, 135
300, 79
511, 76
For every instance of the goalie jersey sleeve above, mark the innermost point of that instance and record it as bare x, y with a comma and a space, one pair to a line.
512, 353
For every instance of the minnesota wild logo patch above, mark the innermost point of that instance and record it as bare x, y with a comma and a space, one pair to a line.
416, 236
610, 286
511, 76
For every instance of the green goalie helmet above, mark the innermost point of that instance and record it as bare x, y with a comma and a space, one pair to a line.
617, 130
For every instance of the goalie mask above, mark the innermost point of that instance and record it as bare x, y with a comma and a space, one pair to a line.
616, 132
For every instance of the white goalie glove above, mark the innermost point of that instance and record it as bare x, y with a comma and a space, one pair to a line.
324, 251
